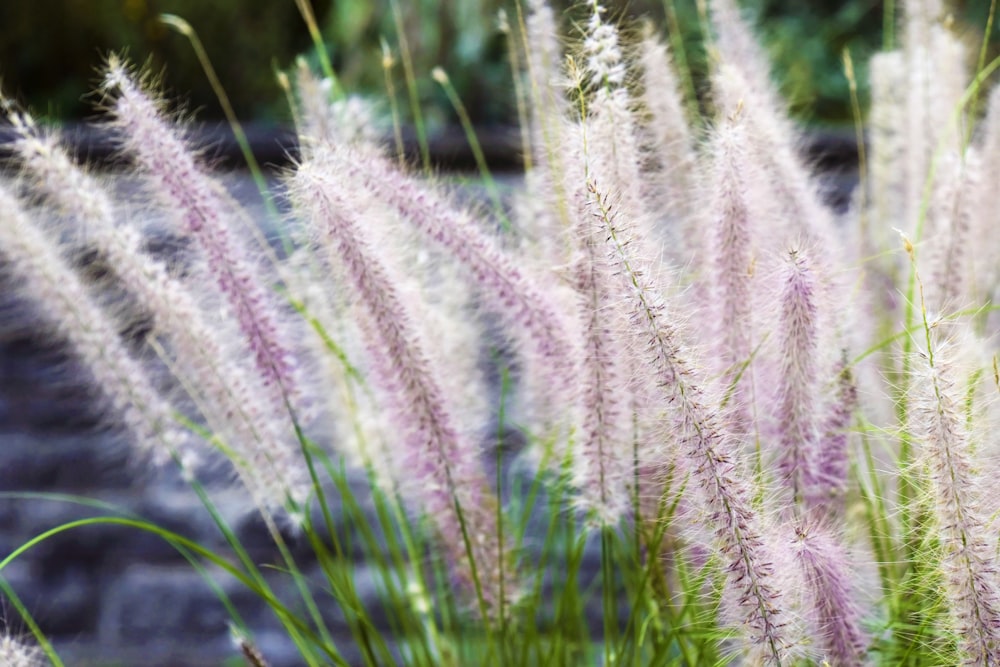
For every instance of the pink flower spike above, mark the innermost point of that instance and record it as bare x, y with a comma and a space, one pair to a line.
969, 558
185, 188
204, 355
537, 323
706, 450
732, 267
826, 569
446, 481
797, 385
832, 464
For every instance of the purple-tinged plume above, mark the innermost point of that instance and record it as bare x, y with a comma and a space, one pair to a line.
548, 107
63, 300
732, 269
235, 405
184, 187
826, 497
784, 192
706, 451
969, 559
829, 596
602, 458
613, 159
446, 481
887, 154
535, 321
670, 147
797, 385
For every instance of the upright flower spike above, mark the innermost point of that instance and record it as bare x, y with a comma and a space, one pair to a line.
951, 255
603, 54
544, 210
985, 269
232, 400
829, 597
731, 245
797, 386
612, 153
826, 498
184, 187
544, 62
603, 452
446, 481
969, 559
707, 452
785, 192
671, 144
738, 47
321, 119
888, 153
64, 302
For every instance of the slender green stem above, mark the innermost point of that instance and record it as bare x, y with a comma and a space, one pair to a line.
185, 29
680, 57
390, 88
26, 616
309, 17
477, 150
888, 25
411, 86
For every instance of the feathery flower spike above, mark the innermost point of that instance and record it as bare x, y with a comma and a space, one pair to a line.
183, 186
447, 482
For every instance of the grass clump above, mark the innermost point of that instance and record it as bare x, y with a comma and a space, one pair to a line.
770, 420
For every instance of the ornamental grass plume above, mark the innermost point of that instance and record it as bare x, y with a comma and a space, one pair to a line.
45, 278
444, 480
603, 450
670, 140
949, 232
204, 357
706, 452
886, 190
603, 454
797, 393
828, 497
936, 77
548, 108
830, 599
736, 45
182, 186
515, 292
786, 193
985, 262
732, 250
969, 560
544, 211
612, 155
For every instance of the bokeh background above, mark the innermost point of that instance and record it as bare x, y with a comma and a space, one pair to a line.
50, 49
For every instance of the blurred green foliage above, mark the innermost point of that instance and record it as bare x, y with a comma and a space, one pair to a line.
50, 49
461, 36
806, 42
